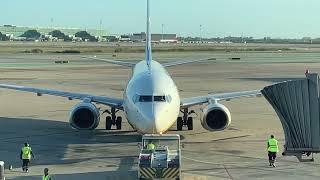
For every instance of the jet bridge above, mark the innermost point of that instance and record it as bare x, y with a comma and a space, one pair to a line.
296, 103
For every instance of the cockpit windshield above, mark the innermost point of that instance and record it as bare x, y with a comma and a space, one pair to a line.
145, 99
159, 98
152, 98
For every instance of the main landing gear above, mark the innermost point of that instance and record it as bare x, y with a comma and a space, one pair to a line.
112, 119
185, 120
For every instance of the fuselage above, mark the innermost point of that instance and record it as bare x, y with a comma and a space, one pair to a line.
151, 99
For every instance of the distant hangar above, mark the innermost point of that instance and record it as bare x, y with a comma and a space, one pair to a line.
140, 37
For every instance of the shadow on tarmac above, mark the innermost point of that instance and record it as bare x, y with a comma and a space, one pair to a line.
88, 175
56, 143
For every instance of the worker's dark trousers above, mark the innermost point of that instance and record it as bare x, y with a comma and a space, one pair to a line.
25, 164
272, 156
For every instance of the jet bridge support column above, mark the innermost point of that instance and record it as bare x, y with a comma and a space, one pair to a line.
297, 105
2, 171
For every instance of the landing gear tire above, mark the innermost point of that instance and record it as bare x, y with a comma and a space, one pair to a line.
190, 123
108, 123
179, 123
118, 122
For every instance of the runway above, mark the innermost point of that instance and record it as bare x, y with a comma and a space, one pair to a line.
236, 153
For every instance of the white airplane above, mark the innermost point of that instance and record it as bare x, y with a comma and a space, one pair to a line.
150, 102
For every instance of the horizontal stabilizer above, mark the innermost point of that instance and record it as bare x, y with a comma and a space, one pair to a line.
118, 62
169, 64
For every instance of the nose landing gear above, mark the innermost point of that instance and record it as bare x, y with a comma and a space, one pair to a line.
186, 120
113, 119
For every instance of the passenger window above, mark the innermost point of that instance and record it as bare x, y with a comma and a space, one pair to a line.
159, 98
145, 99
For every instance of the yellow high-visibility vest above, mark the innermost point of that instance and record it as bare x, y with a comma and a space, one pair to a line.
45, 177
26, 152
273, 145
150, 146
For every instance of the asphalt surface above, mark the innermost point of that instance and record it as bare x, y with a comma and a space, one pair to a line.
236, 153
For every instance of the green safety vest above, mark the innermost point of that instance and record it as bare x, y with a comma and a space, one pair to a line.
150, 146
273, 145
26, 152
46, 177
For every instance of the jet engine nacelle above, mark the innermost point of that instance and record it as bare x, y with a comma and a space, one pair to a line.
84, 116
216, 117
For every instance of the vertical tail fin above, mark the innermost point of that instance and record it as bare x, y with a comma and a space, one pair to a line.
148, 37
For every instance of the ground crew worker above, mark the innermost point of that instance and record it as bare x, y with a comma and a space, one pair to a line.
46, 175
150, 146
25, 156
273, 148
307, 72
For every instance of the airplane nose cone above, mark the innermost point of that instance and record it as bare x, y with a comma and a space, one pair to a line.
153, 121
159, 124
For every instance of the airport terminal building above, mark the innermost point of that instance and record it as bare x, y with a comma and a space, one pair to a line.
140, 37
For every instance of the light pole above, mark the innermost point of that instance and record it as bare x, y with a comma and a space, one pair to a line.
51, 23
100, 28
162, 25
200, 33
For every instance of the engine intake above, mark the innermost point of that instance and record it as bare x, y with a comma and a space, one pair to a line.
84, 116
216, 117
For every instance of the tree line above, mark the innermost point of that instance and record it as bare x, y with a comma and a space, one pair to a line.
34, 35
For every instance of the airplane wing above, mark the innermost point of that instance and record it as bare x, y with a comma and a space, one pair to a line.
187, 102
122, 63
169, 64
109, 101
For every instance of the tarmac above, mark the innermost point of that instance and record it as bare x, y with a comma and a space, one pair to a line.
236, 153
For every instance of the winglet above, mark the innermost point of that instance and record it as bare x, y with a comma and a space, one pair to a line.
148, 37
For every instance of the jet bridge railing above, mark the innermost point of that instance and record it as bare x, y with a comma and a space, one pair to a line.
296, 103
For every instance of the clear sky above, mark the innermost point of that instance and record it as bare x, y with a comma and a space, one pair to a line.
257, 18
